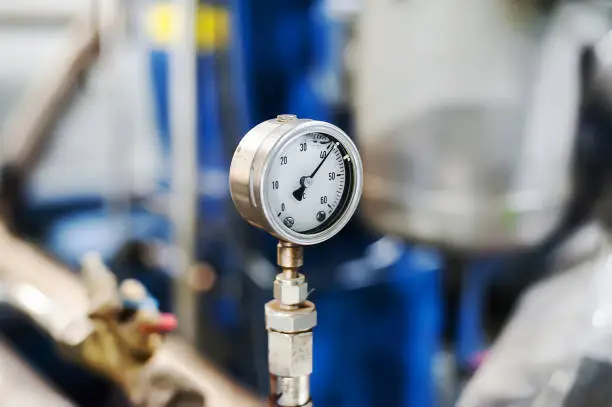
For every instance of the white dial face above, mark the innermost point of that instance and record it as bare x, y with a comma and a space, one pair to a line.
310, 181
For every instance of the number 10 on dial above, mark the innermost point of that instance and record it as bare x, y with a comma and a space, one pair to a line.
299, 179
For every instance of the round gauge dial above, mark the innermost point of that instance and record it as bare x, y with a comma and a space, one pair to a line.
310, 180
299, 179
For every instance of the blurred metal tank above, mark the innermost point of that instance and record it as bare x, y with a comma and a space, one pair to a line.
466, 113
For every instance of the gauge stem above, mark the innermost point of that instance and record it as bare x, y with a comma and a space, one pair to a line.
290, 274
289, 257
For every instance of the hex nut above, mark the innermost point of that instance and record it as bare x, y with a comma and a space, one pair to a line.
290, 293
290, 354
302, 318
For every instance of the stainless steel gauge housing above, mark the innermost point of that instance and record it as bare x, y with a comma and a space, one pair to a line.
298, 179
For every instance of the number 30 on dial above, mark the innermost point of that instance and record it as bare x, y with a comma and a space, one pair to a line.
299, 179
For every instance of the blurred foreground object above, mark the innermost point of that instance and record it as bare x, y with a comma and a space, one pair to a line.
59, 304
26, 131
468, 134
125, 327
556, 351
20, 385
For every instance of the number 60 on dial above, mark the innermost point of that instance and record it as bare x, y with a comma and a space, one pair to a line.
298, 179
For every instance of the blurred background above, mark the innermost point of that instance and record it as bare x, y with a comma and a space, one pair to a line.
485, 133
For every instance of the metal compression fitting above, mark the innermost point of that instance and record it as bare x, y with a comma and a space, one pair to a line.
290, 319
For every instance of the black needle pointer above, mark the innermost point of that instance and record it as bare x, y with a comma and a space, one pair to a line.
307, 180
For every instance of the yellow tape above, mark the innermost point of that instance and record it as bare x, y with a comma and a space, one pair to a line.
212, 26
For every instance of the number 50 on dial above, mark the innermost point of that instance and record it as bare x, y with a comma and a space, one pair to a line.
298, 179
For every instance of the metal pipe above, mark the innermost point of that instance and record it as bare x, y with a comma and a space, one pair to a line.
21, 264
24, 133
183, 211
64, 326
290, 319
290, 391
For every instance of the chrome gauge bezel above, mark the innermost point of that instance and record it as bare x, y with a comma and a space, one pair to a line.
254, 155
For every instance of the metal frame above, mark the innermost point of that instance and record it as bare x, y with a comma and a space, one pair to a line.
184, 183
27, 130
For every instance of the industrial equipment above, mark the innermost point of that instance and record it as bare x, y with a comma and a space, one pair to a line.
468, 133
116, 336
468, 137
26, 128
475, 138
300, 180
555, 350
59, 302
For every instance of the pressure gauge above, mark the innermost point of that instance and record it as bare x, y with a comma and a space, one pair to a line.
298, 179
